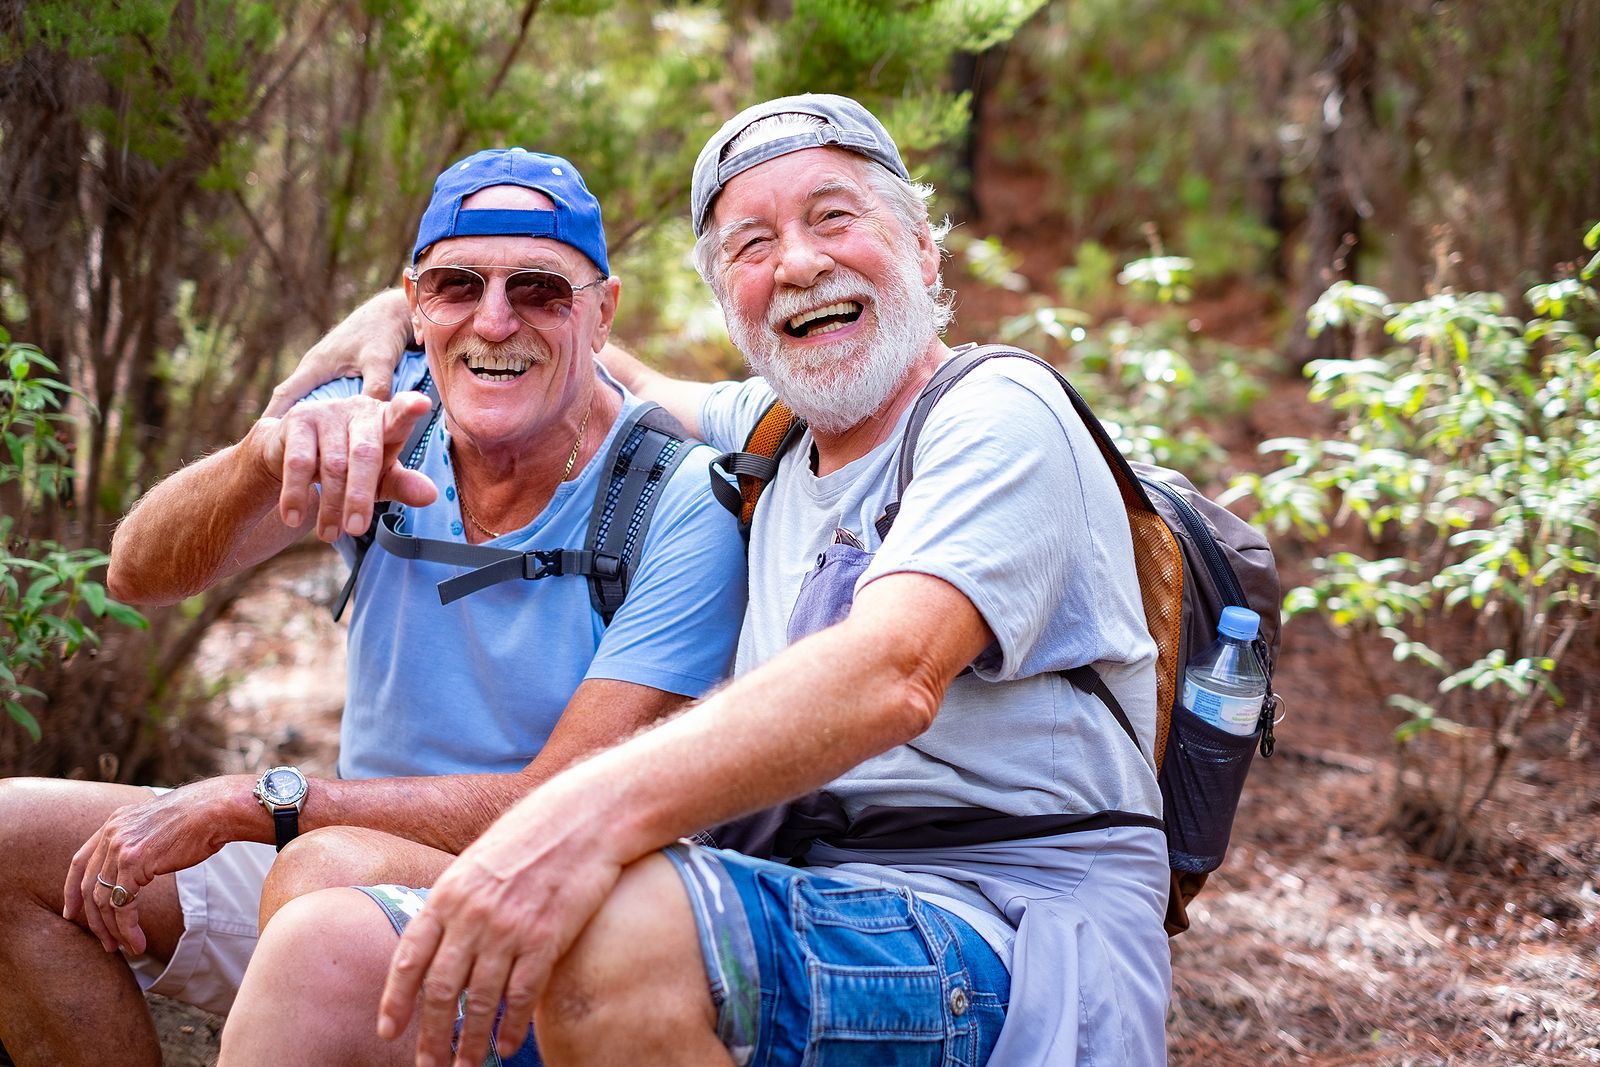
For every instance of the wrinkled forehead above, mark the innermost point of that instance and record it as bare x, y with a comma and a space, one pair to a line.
790, 182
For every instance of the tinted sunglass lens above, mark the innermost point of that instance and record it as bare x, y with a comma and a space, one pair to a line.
449, 294
541, 298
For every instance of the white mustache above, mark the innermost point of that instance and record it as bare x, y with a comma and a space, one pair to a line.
840, 287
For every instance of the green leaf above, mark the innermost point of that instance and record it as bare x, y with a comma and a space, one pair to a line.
21, 717
126, 616
94, 595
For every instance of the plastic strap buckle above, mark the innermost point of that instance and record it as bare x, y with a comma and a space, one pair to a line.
543, 564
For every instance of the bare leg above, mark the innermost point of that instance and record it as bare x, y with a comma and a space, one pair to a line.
341, 856
64, 999
311, 993
633, 988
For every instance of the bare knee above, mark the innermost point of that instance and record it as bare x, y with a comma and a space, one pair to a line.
321, 963
340, 856
324, 944
321, 859
635, 977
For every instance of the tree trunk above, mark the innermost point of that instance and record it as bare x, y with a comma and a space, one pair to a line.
1338, 204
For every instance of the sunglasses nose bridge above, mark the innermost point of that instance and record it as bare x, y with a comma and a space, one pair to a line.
496, 318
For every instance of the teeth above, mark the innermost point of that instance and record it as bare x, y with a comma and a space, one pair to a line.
498, 367
849, 307
486, 362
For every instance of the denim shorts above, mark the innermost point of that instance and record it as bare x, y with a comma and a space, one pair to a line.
809, 970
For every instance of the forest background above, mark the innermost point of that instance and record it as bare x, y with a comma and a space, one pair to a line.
1333, 258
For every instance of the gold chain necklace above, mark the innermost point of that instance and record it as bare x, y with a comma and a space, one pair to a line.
572, 459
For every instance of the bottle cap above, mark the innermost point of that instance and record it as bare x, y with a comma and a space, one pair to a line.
1240, 623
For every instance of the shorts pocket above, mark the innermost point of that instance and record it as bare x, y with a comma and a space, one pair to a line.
878, 1016
877, 996
1201, 780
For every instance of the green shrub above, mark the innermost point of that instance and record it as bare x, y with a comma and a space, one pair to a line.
43, 584
1155, 384
1471, 458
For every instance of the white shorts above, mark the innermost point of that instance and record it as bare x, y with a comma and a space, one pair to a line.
221, 900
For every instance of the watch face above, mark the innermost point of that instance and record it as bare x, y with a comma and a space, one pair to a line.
282, 786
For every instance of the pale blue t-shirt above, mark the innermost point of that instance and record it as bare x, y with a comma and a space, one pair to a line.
1011, 503
477, 685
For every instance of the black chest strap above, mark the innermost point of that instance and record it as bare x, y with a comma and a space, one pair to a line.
644, 452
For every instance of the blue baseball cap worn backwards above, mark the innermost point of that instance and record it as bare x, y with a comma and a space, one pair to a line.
844, 124
575, 220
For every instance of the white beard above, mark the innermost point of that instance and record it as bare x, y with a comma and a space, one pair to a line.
835, 387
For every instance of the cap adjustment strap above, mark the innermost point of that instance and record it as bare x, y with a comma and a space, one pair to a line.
502, 222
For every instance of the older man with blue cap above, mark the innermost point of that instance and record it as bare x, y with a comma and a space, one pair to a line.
976, 867
548, 574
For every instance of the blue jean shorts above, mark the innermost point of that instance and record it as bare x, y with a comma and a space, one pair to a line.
813, 970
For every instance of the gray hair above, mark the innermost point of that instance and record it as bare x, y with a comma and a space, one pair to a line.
908, 200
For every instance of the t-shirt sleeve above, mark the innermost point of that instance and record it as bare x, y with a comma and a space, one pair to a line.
1011, 503
678, 627
731, 410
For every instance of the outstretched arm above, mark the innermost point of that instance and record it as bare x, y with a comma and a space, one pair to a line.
323, 465
681, 397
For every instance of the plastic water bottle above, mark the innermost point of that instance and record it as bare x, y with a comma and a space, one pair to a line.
1226, 684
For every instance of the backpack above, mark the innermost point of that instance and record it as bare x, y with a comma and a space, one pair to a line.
1193, 558
644, 452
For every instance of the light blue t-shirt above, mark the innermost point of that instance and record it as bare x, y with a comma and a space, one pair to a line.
477, 685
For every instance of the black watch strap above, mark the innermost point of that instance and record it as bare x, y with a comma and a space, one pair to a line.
287, 822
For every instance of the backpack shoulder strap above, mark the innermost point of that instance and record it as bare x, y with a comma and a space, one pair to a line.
756, 464
411, 454
966, 360
1157, 557
646, 450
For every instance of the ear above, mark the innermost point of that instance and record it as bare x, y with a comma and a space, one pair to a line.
927, 254
610, 293
417, 321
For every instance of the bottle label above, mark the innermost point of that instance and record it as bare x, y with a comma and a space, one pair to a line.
1236, 714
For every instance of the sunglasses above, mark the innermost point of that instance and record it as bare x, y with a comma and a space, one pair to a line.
450, 294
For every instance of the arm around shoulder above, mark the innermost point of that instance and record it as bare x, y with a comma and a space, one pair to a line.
682, 398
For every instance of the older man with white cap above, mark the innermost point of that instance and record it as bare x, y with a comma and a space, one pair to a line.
977, 871
601, 598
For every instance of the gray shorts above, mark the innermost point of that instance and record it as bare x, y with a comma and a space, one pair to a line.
221, 900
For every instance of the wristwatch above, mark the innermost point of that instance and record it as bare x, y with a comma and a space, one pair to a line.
282, 791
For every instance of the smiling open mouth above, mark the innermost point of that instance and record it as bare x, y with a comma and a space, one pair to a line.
498, 368
823, 320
